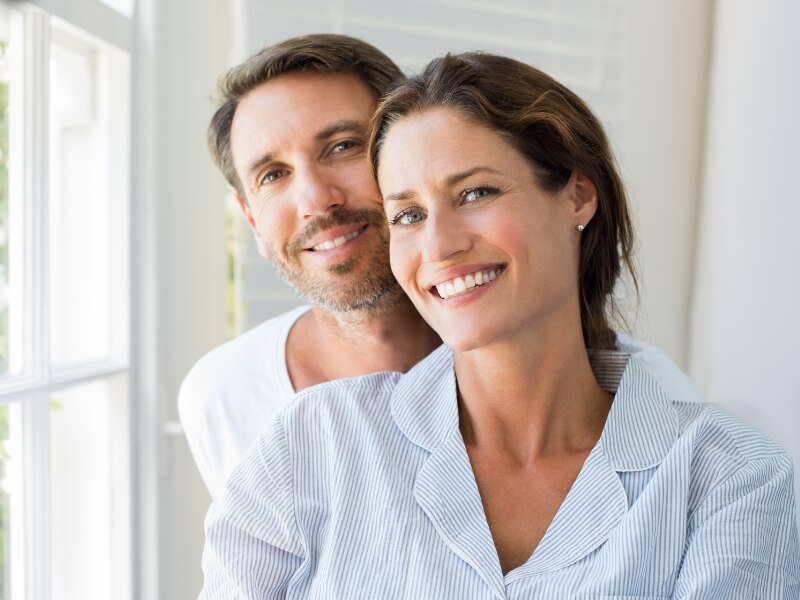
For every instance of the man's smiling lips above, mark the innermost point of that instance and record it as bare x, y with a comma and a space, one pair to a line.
335, 237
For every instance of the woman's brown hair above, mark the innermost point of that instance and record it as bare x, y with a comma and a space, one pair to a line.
556, 131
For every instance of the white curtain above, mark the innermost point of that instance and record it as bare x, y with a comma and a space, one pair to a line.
744, 351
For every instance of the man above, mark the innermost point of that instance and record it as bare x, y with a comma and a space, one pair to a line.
290, 137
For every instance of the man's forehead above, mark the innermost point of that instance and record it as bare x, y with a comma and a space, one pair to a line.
297, 112
303, 104
310, 95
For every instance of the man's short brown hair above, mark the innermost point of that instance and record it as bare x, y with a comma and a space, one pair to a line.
325, 53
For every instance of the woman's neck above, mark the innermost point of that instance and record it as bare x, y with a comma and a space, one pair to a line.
531, 397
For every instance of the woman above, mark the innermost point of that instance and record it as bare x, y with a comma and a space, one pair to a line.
527, 458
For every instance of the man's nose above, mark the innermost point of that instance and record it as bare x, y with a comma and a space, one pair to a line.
317, 192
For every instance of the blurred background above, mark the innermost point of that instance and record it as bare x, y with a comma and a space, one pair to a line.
122, 259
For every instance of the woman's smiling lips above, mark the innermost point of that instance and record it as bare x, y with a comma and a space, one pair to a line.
464, 280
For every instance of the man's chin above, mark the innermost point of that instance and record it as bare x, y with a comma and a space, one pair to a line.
357, 284
345, 267
355, 300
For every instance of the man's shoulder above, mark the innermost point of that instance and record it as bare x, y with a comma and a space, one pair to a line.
238, 362
238, 353
353, 402
341, 394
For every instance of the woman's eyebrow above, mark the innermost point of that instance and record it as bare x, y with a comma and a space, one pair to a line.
449, 182
398, 197
458, 177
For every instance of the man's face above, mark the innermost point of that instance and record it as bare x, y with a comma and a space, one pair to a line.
299, 148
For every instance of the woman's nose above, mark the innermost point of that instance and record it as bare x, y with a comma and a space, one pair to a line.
444, 237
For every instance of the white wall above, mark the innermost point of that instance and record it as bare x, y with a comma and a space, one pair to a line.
660, 150
746, 322
181, 47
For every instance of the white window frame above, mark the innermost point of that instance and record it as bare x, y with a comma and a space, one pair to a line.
27, 392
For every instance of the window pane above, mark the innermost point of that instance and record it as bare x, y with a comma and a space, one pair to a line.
88, 205
4, 292
10, 247
89, 484
5, 506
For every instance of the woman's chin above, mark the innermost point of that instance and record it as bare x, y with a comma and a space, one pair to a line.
459, 342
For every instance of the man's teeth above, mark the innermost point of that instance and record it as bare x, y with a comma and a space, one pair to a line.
330, 244
459, 285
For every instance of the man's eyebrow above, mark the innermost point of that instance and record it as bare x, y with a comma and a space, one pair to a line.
259, 162
449, 182
350, 125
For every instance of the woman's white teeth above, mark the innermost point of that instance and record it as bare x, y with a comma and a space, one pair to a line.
330, 244
459, 285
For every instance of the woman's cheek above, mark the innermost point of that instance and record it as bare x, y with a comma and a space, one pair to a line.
402, 258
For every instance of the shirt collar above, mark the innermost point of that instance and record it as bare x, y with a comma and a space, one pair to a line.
641, 427
423, 402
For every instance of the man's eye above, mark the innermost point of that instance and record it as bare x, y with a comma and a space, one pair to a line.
475, 194
408, 217
342, 146
271, 176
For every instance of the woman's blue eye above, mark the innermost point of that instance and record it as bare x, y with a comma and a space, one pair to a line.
408, 217
475, 194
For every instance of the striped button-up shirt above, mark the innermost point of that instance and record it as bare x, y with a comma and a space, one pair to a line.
363, 489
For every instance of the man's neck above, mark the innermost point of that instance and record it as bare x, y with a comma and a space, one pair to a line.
324, 345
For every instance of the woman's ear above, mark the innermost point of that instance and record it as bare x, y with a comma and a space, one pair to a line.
581, 194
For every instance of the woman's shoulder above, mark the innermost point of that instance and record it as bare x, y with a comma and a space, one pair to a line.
650, 421
654, 388
720, 437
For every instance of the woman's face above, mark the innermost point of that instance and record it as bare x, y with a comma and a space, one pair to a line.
482, 251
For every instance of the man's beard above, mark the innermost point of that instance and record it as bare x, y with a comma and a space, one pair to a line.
376, 283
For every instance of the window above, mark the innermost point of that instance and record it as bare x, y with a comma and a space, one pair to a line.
65, 465
7, 364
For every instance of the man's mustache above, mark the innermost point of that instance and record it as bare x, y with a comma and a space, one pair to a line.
361, 216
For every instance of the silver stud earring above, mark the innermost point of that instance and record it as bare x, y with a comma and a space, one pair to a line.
581, 228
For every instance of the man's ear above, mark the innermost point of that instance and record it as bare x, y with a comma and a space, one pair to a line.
246, 210
582, 197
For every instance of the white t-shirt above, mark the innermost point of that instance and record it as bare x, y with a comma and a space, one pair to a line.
233, 393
